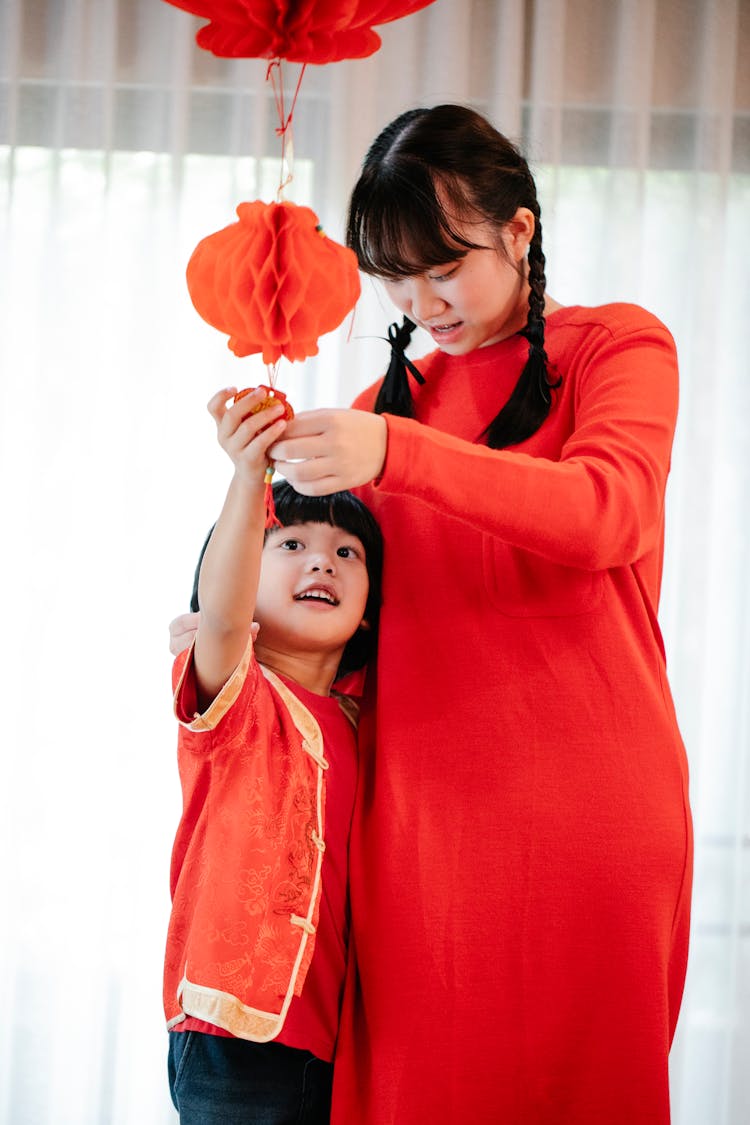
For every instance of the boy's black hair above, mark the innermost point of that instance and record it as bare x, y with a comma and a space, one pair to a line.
339, 509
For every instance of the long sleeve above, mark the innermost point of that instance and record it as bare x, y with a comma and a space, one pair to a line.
594, 503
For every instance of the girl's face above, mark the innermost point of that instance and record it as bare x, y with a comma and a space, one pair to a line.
477, 300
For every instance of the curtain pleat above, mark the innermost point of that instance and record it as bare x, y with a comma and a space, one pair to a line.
121, 145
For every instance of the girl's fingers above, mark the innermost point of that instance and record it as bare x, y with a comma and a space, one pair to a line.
300, 448
317, 484
315, 427
344, 448
315, 477
181, 632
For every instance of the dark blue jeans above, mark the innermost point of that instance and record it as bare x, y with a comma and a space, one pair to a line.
218, 1081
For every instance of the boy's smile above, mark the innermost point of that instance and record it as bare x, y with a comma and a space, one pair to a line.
313, 588
317, 592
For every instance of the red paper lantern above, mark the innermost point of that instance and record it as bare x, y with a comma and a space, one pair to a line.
301, 31
274, 282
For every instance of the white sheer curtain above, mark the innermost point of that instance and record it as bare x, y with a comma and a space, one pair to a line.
121, 145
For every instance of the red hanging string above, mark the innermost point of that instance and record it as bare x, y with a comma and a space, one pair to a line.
283, 129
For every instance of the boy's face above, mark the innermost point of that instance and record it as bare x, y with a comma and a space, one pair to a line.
313, 587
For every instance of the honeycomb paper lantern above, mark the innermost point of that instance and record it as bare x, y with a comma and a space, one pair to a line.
303, 31
273, 281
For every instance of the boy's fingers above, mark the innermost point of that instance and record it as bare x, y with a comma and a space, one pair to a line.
217, 404
259, 425
245, 411
239, 411
271, 433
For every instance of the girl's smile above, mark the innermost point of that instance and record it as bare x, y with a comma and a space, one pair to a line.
476, 300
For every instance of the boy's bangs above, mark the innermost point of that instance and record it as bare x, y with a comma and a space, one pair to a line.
337, 510
340, 509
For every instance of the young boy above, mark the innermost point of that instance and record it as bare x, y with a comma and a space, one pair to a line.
256, 949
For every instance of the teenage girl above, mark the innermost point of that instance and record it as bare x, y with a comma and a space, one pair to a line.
520, 866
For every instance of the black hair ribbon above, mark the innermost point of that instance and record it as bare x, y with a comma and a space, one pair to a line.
394, 396
399, 338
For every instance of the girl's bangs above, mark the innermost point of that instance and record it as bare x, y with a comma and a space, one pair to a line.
399, 230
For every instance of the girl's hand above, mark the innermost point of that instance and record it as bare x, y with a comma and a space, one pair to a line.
326, 451
244, 436
182, 630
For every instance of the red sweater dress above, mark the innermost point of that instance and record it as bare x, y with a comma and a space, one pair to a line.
520, 866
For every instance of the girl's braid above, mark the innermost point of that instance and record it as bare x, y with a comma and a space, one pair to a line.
530, 400
537, 276
534, 330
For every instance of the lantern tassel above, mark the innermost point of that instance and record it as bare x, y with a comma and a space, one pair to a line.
271, 518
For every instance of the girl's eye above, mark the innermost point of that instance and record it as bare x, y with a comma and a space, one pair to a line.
347, 552
443, 276
291, 544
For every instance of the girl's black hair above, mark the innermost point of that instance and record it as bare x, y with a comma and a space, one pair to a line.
339, 509
427, 170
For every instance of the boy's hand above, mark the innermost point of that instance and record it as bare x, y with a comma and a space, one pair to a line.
243, 435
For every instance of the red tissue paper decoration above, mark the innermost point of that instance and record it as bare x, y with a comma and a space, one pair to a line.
274, 282
301, 31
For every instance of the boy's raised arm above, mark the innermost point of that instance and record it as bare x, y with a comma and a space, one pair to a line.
230, 570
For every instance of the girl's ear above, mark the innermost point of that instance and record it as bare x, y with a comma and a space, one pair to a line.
364, 625
519, 232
